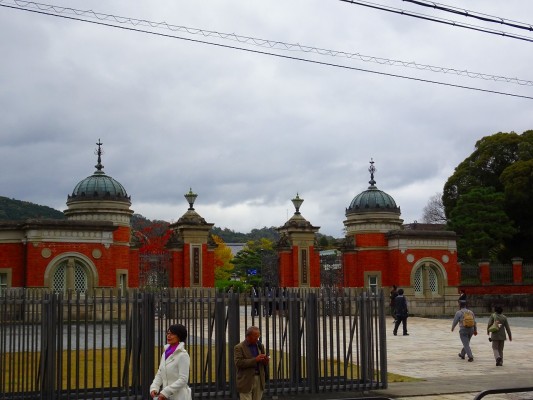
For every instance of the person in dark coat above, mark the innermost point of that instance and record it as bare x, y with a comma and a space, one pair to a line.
401, 310
393, 294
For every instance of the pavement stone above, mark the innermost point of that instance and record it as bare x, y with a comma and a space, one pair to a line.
430, 353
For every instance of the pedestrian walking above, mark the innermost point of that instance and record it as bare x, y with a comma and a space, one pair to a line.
401, 312
467, 328
462, 295
498, 337
392, 296
251, 364
170, 382
255, 299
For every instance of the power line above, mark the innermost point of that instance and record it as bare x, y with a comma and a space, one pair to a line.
278, 45
437, 19
267, 53
473, 14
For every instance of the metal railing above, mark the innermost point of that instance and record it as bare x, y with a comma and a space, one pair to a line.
470, 274
501, 273
502, 391
98, 345
527, 273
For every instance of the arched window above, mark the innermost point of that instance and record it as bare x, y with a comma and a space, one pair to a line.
70, 274
427, 280
418, 284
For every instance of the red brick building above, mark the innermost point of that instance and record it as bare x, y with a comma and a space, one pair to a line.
379, 251
94, 247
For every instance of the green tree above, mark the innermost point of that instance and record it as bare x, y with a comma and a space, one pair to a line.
245, 261
502, 162
493, 154
518, 188
481, 223
259, 256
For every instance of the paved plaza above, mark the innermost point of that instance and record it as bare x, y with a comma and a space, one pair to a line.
430, 353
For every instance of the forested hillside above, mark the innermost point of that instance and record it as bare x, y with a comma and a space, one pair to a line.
18, 210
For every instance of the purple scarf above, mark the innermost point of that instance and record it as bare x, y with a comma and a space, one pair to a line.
170, 350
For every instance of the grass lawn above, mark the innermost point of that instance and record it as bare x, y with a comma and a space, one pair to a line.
105, 368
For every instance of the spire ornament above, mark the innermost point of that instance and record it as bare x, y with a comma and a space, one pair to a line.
99, 153
297, 201
191, 197
372, 170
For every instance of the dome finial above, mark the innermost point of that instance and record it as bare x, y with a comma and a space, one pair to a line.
372, 169
99, 153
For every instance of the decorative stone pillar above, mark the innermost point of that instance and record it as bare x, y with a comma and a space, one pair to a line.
299, 260
70, 274
517, 270
484, 272
192, 250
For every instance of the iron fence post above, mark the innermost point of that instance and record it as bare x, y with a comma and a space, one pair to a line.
49, 321
365, 336
295, 353
234, 329
382, 332
147, 328
311, 348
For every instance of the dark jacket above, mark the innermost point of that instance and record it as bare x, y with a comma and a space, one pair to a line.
499, 335
400, 306
246, 366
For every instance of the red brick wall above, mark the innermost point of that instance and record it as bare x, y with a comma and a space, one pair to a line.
286, 277
113, 258
12, 256
176, 260
370, 240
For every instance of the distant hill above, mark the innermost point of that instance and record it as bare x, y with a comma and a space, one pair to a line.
18, 210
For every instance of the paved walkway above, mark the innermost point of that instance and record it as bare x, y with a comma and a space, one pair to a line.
430, 353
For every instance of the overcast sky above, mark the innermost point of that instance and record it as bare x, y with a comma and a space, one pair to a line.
247, 131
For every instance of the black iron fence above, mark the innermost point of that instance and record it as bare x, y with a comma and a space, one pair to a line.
470, 274
501, 273
527, 273
99, 345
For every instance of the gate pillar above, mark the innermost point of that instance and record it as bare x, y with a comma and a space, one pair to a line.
192, 250
299, 260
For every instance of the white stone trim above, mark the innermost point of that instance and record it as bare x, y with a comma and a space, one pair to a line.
69, 236
404, 244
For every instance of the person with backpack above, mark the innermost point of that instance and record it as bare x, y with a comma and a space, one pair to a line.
498, 337
467, 327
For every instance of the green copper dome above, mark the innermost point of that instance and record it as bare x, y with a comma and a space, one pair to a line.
372, 199
99, 186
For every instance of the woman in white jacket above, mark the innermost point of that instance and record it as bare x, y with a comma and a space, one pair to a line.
170, 382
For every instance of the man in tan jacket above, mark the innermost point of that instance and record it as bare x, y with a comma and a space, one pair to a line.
251, 364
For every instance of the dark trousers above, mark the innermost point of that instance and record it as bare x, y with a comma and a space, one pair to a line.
403, 321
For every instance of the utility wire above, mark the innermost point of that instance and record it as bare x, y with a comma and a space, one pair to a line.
278, 45
267, 53
473, 14
437, 19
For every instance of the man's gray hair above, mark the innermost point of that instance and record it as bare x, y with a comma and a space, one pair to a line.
251, 330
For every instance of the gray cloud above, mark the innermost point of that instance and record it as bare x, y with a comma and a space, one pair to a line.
248, 131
